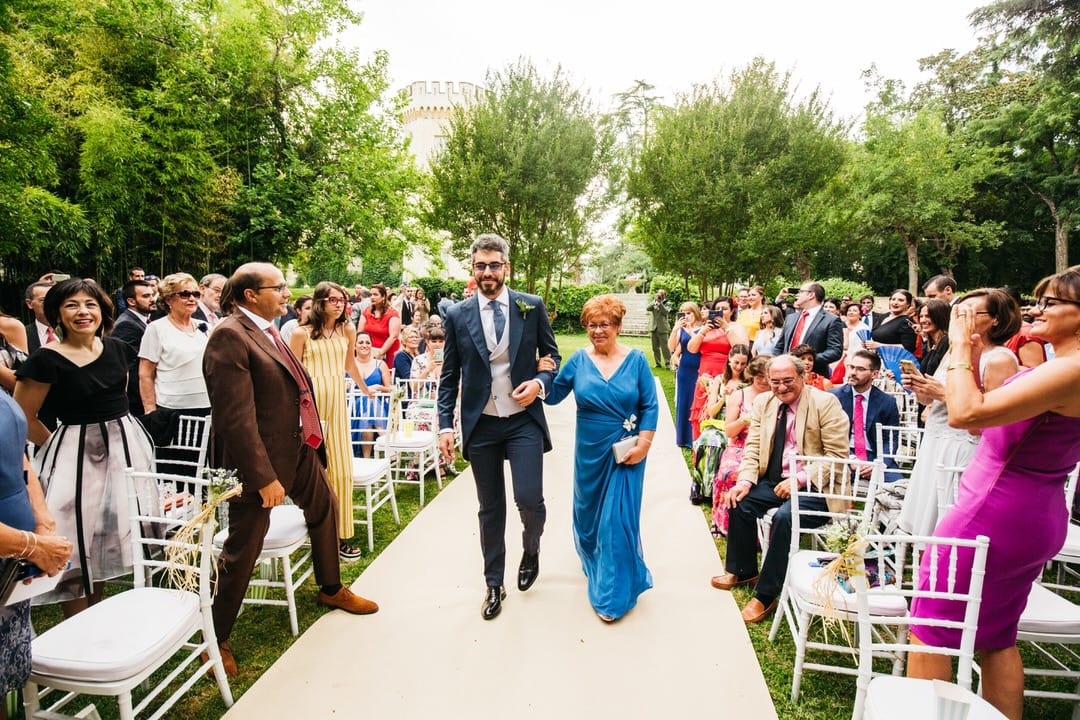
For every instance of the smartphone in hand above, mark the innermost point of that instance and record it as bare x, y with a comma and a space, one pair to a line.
908, 367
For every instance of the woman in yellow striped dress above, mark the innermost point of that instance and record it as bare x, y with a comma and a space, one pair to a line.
324, 345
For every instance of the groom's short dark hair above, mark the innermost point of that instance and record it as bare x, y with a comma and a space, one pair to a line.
489, 242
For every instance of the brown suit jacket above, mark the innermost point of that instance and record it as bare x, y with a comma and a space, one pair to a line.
255, 425
821, 428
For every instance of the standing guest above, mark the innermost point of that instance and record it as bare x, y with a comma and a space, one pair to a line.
713, 341
851, 314
83, 376
141, 298
943, 288
444, 304
13, 350
616, 397
793, 419
772, 321
27, 532
135, 273
421, 307
742, 300
382, 323
403, 359
736, 427
687, 324
303, 313
1029, 351
1031, 441
659, 328
253, 379
934, 324
209, 307
812, 326
944, 444
751, 313
325, 347
38, 330
170, 367
832, 305
867, 407
500, 418
895, 329
871, 319
378, 379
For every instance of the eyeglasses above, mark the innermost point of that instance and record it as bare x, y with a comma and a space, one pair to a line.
280, 288
593, 327
857, 368
1050, 301
786, 382
484, 267
335, 300
188, 294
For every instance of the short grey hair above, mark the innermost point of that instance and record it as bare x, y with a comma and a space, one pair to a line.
489, 242
212, 278
800, 366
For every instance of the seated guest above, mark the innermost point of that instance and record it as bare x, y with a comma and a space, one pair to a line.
410, 346
866, 408
895, 329
806, 354
765, 478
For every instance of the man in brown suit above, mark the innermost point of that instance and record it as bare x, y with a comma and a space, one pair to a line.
256, 429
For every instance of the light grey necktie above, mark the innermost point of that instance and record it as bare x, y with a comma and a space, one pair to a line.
499, 320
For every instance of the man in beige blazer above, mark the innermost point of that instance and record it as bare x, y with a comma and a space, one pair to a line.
814, 423
256, 430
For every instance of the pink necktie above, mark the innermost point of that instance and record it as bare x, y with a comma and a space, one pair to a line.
796, 337
50, 336
858, 428
309, 416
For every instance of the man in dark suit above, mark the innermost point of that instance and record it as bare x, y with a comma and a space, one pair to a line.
941, 287
130, 327
264, 424
878, 408
493, 340
209, 308
793, 419
810, 324
37, 330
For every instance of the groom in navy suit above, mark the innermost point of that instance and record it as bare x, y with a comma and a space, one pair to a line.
877, 407
493, 341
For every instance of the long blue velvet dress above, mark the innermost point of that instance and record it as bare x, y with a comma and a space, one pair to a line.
607, 495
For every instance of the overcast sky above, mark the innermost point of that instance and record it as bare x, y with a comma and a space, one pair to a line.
672, 44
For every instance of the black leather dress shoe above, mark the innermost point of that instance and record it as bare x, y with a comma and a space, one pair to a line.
528, 570
493, 602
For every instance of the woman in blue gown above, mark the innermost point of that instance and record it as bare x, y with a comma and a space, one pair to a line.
686, 376
616, 398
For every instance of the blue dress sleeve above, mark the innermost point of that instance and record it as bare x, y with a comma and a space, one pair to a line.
564, 381
648, 404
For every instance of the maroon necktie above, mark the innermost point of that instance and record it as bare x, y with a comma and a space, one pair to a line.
796, 337
309, 417
858, 428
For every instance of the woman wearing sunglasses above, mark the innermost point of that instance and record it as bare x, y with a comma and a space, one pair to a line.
170, 362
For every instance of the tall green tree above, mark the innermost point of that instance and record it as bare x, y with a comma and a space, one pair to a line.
522, 162
725, 175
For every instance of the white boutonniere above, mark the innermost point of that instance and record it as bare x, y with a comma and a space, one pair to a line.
630, 423
524, 307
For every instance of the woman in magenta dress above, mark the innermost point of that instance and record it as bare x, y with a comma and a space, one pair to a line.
713, 342
1014, 489
736, 426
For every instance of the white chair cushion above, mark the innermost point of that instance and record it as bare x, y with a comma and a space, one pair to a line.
1070, 552
1049, 613
803, 577
287, 528
416, 440
904, 698
117, 638
364, 470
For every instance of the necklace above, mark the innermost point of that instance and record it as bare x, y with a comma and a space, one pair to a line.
189, 328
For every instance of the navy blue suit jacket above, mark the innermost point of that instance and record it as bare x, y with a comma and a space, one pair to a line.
465, 359
880, 410
825, 334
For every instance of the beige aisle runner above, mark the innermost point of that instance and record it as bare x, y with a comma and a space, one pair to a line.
428, 654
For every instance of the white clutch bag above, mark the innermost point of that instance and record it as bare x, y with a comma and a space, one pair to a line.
622, 447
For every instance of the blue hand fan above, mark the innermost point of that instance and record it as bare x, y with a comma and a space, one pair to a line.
891, 355
863, 334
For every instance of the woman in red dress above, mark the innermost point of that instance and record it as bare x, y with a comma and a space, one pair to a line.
713, 340
382, 323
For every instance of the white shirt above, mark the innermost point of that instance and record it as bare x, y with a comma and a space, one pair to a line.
178, 381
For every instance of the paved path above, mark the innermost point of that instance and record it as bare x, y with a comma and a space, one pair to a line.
428, 654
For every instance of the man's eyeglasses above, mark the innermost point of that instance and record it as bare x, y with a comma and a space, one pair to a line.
785, 382
280, 288
858, 368
188, 294
1050, 301
492, 266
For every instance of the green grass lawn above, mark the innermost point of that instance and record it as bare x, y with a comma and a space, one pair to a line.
262, 634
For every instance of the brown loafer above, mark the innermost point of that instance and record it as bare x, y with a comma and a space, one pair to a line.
345, 599
730, 580
227, 660
755, 612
